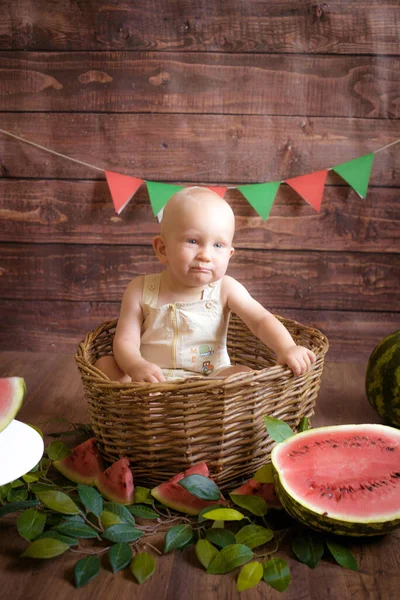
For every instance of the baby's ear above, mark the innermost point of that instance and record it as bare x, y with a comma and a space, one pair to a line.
231, 252
160, 248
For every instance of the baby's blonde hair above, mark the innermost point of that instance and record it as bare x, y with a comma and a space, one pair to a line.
193, 191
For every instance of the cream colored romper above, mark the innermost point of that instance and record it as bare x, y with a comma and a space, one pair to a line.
185, 339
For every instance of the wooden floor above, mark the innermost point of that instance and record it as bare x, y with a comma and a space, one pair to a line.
54, 390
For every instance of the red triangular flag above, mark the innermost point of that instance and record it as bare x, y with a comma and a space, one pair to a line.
310, 187
220, 190
122, 188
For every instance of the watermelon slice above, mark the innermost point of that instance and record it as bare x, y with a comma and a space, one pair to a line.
116, 483
83, 465
344, 479
12, 392
266, 491
175, 496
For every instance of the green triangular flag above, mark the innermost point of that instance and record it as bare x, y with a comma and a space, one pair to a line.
261, 196
357, 173
160, 193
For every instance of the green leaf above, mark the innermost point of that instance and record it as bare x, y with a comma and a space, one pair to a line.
177, 537
16, 506
57, 450
143, 495
119, 555
45, 548
75, 529
4, 489
309, 549
201, 518
254, 535
108, 518
122, 532
120, 511
31, 477
143, 566
86, 569
249, 576
58, 501
220, 537
201, 487
277, 574
223, 514
17, 495
91, 498
17, 483
205, 552
343, 556
65, 539
303, 425
229, 558
31, 523
143, 512
264, 474
256, 505
278, 430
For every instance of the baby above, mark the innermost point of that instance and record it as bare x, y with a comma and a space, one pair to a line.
174, 324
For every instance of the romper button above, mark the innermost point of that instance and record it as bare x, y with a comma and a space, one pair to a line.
211, 285
208, 304
151, 286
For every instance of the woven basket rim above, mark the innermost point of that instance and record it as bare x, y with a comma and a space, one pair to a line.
81, 357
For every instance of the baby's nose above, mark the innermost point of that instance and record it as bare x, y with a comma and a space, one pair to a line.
204, 254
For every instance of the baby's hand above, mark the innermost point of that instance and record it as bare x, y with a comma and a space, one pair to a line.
297, 358
144, 371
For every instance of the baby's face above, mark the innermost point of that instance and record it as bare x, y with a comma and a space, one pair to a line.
198, 240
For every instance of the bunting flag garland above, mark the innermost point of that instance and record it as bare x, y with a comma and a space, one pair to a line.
310, 187
122, 189
261, 196
219, 189
356, 173
160, 193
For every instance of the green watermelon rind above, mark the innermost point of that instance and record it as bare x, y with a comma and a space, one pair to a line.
382, 379
19, 389
309, 517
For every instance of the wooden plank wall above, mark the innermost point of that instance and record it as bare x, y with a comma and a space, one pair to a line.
203, 92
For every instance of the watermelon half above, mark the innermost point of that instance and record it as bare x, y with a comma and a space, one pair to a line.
343, 479
12, 392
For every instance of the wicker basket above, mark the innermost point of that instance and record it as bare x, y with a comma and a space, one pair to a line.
164, 428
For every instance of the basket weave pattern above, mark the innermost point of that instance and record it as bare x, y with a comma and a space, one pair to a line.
164, 428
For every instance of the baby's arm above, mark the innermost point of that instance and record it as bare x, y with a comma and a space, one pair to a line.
266, 327
126, 345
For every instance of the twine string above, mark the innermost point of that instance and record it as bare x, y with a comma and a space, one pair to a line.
85, 164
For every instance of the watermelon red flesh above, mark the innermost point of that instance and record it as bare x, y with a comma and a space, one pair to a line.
266, 491
12, 392
349, 472
116, 483
175, 496
83, 465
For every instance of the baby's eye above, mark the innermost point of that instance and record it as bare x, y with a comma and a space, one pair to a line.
192, 241
219, 245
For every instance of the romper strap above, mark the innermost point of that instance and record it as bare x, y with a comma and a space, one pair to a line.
151, 287
213, 290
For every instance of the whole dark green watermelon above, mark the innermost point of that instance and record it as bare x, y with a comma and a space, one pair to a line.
382, 381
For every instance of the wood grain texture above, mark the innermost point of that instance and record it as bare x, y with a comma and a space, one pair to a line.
228, 26
54, 390
44, 325
77, 212
193, 148
336, 281
211, 83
